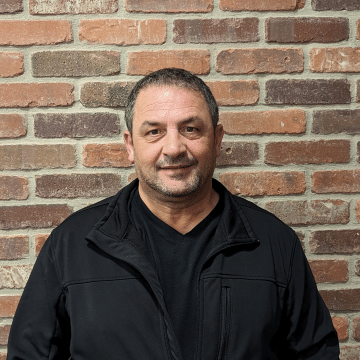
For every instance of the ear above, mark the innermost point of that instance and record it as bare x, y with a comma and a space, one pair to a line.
219, 133
129, 145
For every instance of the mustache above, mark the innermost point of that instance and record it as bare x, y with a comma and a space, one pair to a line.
179, 161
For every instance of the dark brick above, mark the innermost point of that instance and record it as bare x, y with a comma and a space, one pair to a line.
76, 125
4, 334
13, 187
303, 30
172, 6
308, 92
336, 121
10, 6
208, 31
32, 216
13, 247
336, 181
357, 267
310, 212
335, 242
75, 63
329, 270
341, 299
12, 126
77, 185
358, 91
258, 61
335, 5
260, 5
307, 152
238, 153
97, 94
8, 305
356, 329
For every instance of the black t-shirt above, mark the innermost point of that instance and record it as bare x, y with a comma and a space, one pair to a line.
177, 259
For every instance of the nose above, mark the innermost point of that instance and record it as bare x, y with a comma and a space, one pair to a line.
173, 144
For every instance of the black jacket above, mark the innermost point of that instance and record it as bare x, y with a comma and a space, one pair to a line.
94, 295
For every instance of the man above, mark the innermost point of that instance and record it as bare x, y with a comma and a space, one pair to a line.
173, 266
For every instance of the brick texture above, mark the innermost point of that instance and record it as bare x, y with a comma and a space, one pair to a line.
259, 5
330, 271
8, 305
11, 64
47, 7
4, 334
304, 30
336, 181
356, 328
358, 91
13, 247
335, 242
32, 216
76, 125
12, 126
10, 6
335, 60
358, 29
350, 352
105, 94
335, 5
357, 268
13, 187
310, 212
208, 31
241, 92
14, 157
262, 183
258, 61
341, 325
123, 31
307, 152
357, 210
105, 155
342, 299
77, 185
238, 153
308, 92
3, 356
169, 6
336, 121
75, 63
144, 62
290, 121
34, 32
14, 277
36, 94
39, 242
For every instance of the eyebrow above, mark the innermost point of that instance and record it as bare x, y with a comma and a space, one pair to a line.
157, 123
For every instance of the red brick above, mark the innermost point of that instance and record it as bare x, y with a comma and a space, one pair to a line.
172, 6
356, 328
75, 63
310, 212
291, 121
105, 155
14, 157
13, 187
34, 32
4, 334
132, 177
13, 247
8, 305
342, 299
358, 91
358, 151
357, 210
335, 60
144, 62
77, 185
308, 92
307, 152
335, 242
350, 353
9, 7
357, 268
335, 5
336, 181
238, 153
39, 242
330, 271
12, 126
239, 92
3, 356
36, 94
336, 121
33, 216
11, 64
46, 7
208, 31
259, 61
303, 30
14, 277
259, 5
123, 31
341, 326
105, 94
358, 29
263, 183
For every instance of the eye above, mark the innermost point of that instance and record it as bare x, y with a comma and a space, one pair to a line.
189, 129
153, 132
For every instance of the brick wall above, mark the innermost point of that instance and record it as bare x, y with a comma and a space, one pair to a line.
284, 72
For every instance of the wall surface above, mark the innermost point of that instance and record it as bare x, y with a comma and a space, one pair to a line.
284, 72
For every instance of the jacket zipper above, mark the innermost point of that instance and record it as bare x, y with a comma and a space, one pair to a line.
224, 322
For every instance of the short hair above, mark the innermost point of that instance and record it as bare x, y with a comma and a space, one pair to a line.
172, 77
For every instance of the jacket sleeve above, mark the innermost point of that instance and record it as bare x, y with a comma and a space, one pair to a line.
309, 332
40, 328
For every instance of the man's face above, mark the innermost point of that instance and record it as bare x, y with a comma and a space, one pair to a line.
173, 143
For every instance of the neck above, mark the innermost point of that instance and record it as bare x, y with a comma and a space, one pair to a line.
183, 213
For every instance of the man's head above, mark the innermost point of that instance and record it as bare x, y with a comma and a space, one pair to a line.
174, 142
